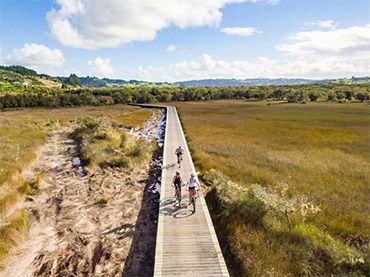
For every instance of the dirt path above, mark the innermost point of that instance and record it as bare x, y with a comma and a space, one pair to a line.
86, 225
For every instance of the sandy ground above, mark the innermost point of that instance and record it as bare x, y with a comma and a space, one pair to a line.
102, 224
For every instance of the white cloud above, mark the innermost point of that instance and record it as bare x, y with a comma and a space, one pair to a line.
36, 56
346, 42
324, 24
315, 54
207, 67
171, 48
240, 31
110, 23
102, 67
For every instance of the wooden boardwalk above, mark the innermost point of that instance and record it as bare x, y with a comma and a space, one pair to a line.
186, 243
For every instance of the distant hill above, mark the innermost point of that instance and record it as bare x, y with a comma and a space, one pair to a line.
106, 82
247, 82
268, 82
17, 78
19, 69
352, 81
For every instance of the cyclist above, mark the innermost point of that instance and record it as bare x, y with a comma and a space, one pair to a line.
179, 152
192, 184
177, 183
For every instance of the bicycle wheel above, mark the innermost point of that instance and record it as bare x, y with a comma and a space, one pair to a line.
193, 202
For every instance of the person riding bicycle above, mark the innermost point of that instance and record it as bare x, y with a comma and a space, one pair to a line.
177, 183
192, 184
179, 152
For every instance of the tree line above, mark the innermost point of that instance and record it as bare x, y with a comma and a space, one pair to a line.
19, 69
108, 96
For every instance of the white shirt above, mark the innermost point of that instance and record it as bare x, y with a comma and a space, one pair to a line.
193, 182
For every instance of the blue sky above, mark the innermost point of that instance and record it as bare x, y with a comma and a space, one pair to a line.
172, 40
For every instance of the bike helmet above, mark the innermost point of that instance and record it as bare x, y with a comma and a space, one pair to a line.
192, 175
177, 173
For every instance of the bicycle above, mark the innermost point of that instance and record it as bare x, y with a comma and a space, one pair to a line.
178, 196
193, 198
179, 160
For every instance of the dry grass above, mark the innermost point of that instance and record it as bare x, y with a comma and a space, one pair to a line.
22, 132
319, 149
103, 144
135, 119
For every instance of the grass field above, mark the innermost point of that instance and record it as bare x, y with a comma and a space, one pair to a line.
22, 132
320, 150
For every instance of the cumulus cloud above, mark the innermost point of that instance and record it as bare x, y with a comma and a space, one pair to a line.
36, 56
324, 24
102, 67
171, 48
346, 42
207, 67
240, 31
315, 54
110, 23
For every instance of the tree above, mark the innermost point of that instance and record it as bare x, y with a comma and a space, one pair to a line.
332, 97
313, 96
348, 94
277, 94
362, 96
340, 95
20, 70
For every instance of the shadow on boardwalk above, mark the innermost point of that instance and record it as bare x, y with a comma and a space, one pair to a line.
140, 260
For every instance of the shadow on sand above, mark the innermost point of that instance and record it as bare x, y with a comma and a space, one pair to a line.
140, 260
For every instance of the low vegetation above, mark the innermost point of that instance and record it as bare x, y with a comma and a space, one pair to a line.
266, 233
300, 206
103, 144
22, 132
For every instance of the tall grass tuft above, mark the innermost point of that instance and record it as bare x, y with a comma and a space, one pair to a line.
251, 223
103, 144
12, 231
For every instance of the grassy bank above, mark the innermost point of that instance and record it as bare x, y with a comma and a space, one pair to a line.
103, 144
320, 150
22, 132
